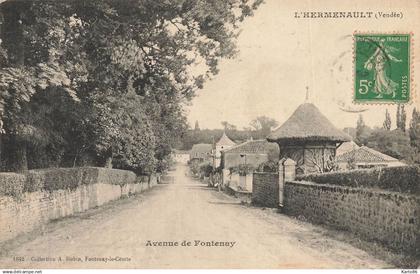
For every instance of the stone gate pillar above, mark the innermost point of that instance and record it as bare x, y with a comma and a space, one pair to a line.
287, 172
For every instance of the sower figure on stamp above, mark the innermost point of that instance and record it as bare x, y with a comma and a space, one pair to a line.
377, 62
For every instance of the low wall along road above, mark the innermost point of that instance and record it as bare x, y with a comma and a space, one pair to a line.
28, 201
378, 204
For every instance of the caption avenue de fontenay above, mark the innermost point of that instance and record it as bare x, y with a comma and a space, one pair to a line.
194, 243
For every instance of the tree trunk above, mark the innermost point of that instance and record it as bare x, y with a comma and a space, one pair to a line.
18, 161
108, 162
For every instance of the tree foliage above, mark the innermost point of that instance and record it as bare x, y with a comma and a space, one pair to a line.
123, 69
264, 125
394, 143
401, 118
414, 130
387, 122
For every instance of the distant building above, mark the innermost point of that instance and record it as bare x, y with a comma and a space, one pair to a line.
181, 156
253, 153
345, 147
224, 143
365, 157
309, 139
201, 152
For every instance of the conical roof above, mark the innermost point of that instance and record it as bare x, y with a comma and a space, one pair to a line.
225, 141
307, 123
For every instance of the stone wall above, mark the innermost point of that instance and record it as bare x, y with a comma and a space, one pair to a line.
34, 209
391, 218
265, 189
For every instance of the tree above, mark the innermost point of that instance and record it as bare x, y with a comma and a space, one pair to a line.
403, 119
27, 68
387, 122
227, 126
122, 133
394, 143
196, 126
414, 131
362, 131
263, 125
99, 51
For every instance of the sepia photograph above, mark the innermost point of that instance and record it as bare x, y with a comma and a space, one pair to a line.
209, 134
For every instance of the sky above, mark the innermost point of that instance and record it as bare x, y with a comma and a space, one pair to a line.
281, 55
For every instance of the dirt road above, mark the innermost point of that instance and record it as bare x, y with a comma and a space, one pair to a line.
152, 230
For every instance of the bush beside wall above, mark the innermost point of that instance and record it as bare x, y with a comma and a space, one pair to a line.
55, 193
12, 184
71, 178
115, 176
405, 179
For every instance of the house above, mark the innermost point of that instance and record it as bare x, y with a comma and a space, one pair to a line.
365, 157
201, 152
345, 147
224, 143
251, 153
309, 139
181, 156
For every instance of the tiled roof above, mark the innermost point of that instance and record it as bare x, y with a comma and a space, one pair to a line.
365, 155
307, 123
225, 141
253, 147
180, 151
346, 147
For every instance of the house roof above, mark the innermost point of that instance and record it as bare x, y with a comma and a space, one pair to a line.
225, 141
180, 151
307, 123
365, 154
345, 147
201, 148
253, 147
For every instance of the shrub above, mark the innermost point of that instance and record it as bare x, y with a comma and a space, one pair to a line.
141, 179
402, 179
194, 165
115, 176
70, 178
34, 181
206, 169
11, 184
242, 169
269, 166
63, 178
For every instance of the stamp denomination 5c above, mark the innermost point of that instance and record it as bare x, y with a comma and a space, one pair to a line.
382, 68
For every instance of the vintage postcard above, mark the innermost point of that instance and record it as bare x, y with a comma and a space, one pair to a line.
209, 134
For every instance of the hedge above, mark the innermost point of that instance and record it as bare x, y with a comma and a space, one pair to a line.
62, 178
115, 176
71, 178
11, 184
402, 179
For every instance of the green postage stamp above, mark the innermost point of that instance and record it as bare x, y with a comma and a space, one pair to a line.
382, 68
